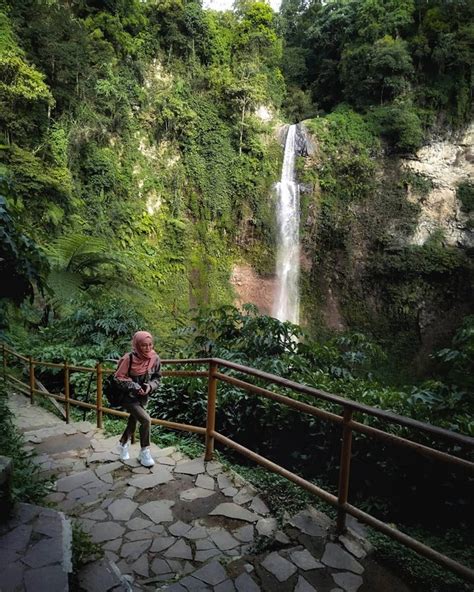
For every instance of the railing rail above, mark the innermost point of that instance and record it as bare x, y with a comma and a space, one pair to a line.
348, 426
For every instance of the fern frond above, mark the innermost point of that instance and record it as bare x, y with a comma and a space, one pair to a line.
64, 284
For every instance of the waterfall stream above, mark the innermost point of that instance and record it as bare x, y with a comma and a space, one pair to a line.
287, 301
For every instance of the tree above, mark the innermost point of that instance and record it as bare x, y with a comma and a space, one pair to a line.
247, 90
25, 99
255, 33
374, 19
22, 265
325, 39
376, 73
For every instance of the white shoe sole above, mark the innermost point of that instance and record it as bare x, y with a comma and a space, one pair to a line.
147, 466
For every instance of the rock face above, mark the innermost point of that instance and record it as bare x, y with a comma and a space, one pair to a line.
362, 270
305, 145
446, 163
254, 288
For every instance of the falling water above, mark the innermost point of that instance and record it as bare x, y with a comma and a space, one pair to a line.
287, 301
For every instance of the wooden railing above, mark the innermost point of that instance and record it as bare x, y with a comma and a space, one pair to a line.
214, 373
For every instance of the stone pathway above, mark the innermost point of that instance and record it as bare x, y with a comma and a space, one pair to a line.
185, 524
35, 550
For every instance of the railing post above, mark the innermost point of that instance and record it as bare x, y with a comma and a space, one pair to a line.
32, 379
211, 410
99, 396
344, 470
66, 391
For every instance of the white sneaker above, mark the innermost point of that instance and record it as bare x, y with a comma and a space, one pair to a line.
145, 458
124, 451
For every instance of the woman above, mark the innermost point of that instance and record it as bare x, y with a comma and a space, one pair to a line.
139, 371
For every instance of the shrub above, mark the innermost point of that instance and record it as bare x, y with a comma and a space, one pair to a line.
465, 194
400, 124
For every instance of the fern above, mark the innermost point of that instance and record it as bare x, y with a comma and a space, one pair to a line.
78, 262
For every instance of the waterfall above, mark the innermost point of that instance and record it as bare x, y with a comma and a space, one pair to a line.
287, 302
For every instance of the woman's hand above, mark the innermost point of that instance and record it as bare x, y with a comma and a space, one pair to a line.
145, 390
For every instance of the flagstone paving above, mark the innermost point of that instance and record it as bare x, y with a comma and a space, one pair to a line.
185, 524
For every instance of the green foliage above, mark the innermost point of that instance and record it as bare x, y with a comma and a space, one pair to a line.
342, 126
430, 258
400, 124
26, 485
298, 105
103, 175
174, 117
7, 39
208, 160
376, 73
21, 82
420, 572
458, 360
98, 328
346, 365
255, 32
418, 183
188, 444
346, 169
23, 96
40, 192
22, 265
375, 19
144, 136
465, 194
78, 262
409, 57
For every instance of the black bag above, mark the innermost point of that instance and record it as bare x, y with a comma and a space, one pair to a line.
114, 389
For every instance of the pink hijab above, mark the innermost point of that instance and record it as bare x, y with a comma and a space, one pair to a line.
141, 363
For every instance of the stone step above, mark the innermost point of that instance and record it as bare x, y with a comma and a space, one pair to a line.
35, 550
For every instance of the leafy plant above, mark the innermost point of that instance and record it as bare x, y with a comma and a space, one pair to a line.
458, 359
27, 485
78, 262
83, 549
465, 194
22, 264
400, 124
